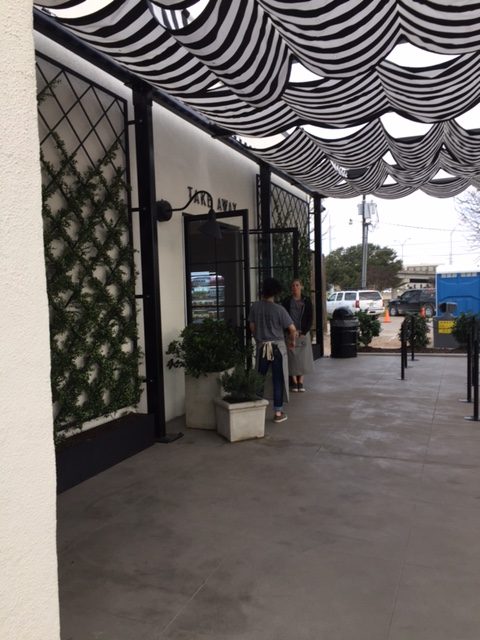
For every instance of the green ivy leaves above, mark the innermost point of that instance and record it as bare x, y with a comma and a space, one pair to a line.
91, 288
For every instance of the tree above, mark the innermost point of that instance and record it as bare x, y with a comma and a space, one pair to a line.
468, 206
344, 267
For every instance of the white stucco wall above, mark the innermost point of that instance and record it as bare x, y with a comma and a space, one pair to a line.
186, 156
28, 562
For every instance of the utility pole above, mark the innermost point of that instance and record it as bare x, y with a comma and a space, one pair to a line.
451, 245
367, 210
364, 243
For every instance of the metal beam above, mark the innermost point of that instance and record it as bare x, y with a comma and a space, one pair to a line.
318, 261
266, 220
142, 103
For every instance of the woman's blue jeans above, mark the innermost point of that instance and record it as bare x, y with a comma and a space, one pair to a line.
277, 376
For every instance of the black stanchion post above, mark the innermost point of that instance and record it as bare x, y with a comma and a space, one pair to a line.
475, 374
469, 364
403, 350
412, 336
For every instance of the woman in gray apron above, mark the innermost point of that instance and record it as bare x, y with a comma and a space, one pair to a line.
300, 359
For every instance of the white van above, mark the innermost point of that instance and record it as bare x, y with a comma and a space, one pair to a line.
364, 299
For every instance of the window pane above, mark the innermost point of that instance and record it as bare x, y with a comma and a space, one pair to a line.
370, 295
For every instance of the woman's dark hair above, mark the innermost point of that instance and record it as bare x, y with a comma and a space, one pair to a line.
271, 287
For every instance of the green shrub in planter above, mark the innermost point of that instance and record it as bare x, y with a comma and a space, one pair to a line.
368, 328
462, 325
420, 331
242, 385
206, 347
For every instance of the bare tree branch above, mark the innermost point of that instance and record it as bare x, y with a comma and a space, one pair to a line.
467, 204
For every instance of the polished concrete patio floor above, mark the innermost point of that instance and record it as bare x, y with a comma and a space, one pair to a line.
357, 519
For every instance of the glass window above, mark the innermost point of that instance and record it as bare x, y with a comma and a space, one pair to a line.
369, 295
350, 295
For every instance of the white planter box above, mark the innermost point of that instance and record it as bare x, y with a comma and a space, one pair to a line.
241, 420
199, 395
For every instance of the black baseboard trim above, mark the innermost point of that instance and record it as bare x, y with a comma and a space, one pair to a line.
90, 452
317, 350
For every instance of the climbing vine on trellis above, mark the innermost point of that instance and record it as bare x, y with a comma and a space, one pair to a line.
90, 279
287, 211
290, 211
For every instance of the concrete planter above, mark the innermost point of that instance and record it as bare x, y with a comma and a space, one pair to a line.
199, 395
241, 420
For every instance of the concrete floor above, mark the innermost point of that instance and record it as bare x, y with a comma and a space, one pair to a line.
357, 519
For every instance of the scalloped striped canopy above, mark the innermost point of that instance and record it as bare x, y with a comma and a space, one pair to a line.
233, 62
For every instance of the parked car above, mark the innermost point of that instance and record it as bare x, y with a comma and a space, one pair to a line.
412, 301
364, 299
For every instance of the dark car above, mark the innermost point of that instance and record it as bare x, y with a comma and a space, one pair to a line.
412, 301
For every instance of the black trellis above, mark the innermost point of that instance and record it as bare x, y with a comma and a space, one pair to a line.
88, 246
288, 211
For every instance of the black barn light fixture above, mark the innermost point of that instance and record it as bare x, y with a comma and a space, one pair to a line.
209, 228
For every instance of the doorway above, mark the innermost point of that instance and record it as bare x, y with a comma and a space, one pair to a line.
217, 270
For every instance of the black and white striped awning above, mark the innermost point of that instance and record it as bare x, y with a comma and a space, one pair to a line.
233, 62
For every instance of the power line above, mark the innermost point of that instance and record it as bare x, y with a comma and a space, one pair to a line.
411, 226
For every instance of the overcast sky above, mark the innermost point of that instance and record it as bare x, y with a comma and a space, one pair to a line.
421, 229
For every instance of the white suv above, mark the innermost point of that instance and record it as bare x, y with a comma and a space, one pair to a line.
364, 300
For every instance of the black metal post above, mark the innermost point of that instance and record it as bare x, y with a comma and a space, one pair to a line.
318, 351
475, 375
142, 102
266, 220
412, 336
469, 367
475, 380
403, 351
469, 363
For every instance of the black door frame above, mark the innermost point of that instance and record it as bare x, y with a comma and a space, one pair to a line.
295, 249
221, 215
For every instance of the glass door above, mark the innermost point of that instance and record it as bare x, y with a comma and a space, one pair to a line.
217, 269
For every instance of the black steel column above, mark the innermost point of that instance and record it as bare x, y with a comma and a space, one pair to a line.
142, 102
318, 261
266, 220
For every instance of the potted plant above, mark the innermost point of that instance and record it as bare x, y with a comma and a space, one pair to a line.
241, 412
204, 350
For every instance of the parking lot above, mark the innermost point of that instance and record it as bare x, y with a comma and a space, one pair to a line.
388, 338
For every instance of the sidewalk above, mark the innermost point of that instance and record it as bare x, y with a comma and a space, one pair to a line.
357, 519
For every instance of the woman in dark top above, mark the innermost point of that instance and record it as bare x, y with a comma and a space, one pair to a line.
300, 359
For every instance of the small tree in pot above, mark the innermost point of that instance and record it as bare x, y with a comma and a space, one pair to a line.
241, 413
204, 350
368, 328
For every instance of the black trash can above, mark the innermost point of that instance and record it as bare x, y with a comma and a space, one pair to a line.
343, 333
